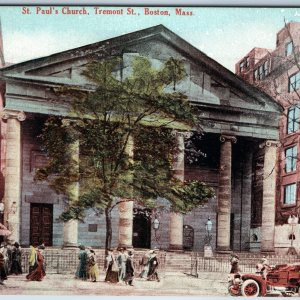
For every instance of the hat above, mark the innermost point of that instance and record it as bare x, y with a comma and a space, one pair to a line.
81, 247
16, 244
41, 247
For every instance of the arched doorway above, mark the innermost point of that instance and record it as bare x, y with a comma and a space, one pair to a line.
141, 228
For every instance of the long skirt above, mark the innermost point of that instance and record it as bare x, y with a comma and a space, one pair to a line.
111, 276
37, 274
94, 273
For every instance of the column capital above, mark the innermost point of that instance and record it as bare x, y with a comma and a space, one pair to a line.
230, 138
269, 143
6, 114
184, 134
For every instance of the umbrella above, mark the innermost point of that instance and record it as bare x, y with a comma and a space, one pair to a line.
4, 231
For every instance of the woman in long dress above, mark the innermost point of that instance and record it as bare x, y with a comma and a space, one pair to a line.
145, 263
129, 275
112, 274
153, 265
81, 272
38, 273
93, 267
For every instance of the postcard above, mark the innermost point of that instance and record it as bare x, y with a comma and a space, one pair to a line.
149, 150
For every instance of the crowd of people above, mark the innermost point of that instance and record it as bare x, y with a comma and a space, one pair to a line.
119, 264
119, 267
11, 262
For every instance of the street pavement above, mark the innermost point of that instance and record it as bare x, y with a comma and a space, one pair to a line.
171, 284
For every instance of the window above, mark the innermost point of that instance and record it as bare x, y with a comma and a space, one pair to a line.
288, 49
294, 82
244, 64
256, 74
290, 194
293, 119
92, 228
265, 67
291, 159
262, 71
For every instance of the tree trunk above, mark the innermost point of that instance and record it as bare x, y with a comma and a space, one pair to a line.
108, 229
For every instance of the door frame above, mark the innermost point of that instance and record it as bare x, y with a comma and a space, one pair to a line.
30, 221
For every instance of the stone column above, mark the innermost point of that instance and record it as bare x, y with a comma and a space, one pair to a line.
70, 232
13, 167
269, 188
126, 209
224, 194
176, 219
125, 223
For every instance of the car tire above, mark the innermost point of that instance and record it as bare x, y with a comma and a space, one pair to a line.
250, 288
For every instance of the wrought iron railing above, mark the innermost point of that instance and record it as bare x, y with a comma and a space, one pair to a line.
66, 261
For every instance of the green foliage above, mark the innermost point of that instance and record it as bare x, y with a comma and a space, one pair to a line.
104, 120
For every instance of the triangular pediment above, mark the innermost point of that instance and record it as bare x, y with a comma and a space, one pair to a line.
207, 84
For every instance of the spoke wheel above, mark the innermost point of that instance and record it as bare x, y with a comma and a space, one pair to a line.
250, 288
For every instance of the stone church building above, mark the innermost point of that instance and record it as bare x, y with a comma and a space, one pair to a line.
240, 126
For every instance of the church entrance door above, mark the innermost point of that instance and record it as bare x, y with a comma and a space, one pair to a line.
141, 229
41, 223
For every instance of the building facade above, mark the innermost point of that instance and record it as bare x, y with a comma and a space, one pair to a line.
239, 122
277, 73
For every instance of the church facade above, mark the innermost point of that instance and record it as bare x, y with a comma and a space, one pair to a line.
240, 125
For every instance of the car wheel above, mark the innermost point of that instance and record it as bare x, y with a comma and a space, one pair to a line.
250, 288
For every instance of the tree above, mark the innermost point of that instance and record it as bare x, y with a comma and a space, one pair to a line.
119, 111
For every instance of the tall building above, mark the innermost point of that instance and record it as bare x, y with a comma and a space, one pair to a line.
277, 72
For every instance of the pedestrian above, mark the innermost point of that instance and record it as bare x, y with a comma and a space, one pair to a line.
153, 265
5, 253
93, 267
3, 274
32, 258
234, 261
16, 260
145, 263
38, 273
112, 270
81, 272
129, 275
121, 260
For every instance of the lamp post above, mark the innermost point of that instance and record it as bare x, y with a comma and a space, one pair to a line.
292, 221
156, 224
208, 237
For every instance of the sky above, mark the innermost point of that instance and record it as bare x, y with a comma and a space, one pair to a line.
226, 34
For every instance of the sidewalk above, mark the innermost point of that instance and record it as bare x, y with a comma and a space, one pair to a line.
208, 284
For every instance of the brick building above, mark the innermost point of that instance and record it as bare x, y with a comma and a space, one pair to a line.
277, 73
238, 120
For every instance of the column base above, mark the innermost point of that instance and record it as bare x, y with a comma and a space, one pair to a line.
126, 246
70, 245
224, 250
175, 248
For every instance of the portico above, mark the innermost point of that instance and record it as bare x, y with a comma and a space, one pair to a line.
236, 119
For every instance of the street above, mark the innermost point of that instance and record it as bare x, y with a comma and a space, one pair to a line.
173, 284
